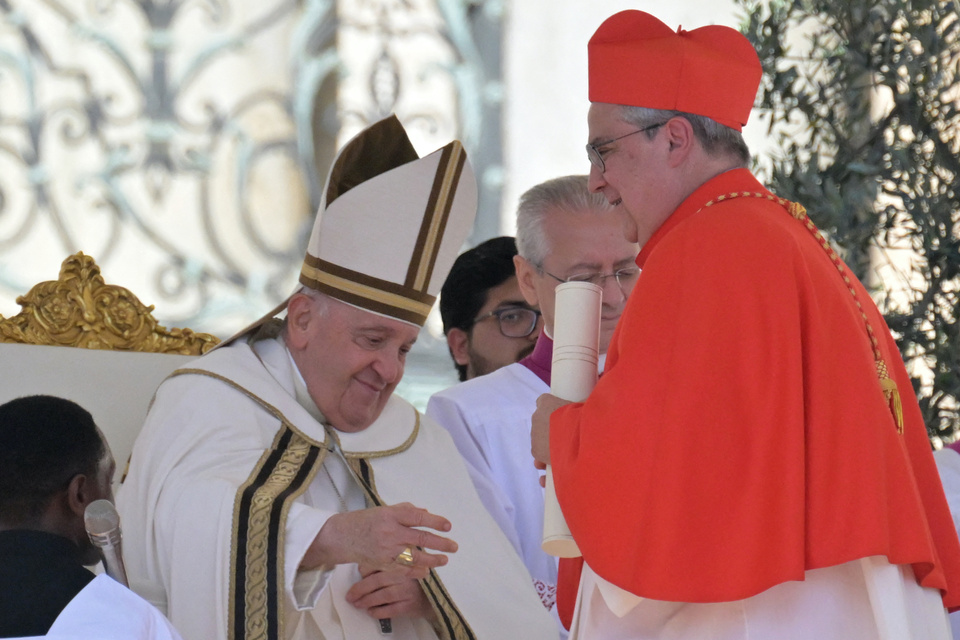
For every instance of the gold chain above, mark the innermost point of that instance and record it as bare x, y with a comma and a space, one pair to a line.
797, 211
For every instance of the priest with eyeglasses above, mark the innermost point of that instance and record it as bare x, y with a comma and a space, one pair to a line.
564, 234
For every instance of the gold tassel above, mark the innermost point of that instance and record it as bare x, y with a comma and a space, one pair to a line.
893, 399
797, 210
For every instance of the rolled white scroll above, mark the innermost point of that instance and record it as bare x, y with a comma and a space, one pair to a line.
576, 353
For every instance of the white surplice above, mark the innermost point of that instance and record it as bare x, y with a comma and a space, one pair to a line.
489, 420
204, 439
867, 599
107, 610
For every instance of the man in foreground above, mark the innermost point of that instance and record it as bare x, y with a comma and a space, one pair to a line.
753, 462
563, 233
486, 321
273, 485
54, 462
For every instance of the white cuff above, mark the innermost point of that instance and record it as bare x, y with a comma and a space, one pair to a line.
303, 586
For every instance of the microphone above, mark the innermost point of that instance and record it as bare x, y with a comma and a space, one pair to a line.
102, 523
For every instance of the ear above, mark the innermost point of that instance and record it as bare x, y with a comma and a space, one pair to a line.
526, 273
680, 140
79, 494
299, 316
458, 340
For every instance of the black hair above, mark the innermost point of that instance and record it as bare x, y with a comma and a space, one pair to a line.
473, 274
44, 443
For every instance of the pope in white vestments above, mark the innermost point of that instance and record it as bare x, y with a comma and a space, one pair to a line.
279, 490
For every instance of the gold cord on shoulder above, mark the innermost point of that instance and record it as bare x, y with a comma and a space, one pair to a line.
798, 212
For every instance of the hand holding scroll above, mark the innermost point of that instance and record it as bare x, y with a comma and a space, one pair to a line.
576, 351
540, 430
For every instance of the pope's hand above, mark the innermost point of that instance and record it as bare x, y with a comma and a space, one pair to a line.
375, 537
540, 428
389, 594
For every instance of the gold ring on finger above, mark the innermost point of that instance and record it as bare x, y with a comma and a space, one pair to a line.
405, 557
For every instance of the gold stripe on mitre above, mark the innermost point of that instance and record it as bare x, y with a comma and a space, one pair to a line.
452, 160
364, 291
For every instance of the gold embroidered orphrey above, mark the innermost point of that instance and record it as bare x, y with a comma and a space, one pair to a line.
81, 310
261, 506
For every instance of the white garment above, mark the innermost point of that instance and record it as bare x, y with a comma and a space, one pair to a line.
834, 603
948, 466
489, 420
106, 610
200, 445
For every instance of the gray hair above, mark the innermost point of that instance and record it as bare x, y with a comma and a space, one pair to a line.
319, 298
568, 193
716, 138
320, 301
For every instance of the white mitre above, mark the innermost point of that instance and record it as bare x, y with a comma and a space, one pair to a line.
390, 225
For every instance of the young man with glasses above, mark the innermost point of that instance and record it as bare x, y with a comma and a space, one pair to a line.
753, 462
563, 233
487, 322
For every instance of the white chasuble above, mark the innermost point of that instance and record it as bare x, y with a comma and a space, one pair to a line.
231, 479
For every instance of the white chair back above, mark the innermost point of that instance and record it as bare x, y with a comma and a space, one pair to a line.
96, 344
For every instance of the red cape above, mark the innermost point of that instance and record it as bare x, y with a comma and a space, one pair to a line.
739, 435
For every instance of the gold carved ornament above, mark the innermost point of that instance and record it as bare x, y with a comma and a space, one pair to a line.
81, 310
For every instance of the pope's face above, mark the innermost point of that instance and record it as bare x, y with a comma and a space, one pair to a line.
634, 177
350, 359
